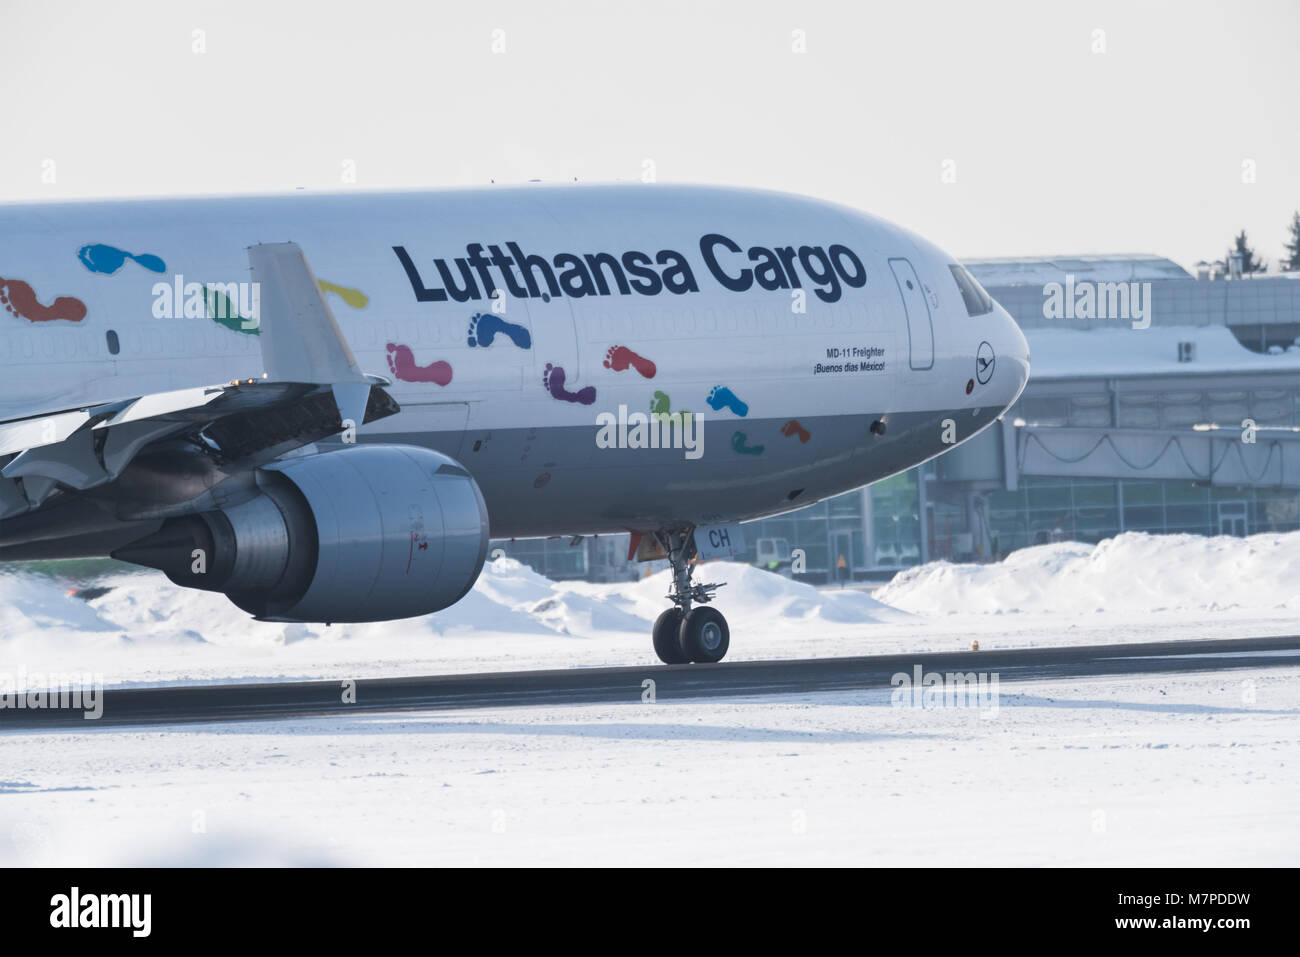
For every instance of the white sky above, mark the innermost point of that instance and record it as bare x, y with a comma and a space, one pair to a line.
1056, 148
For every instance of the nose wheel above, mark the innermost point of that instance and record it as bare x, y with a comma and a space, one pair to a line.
684, 633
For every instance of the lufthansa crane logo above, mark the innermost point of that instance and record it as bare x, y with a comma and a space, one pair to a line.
984, 362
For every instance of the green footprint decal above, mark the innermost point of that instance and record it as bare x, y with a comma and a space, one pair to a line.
225, 313
662, 405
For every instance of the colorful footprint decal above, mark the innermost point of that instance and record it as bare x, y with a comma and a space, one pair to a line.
225, 313
401, 361
484, 327
740, 442
102, 258
723, 398
662, 405
620, 358
553, 380
794, 428
353, 297
20, 299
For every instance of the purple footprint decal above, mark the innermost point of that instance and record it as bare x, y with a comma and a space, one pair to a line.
553, 380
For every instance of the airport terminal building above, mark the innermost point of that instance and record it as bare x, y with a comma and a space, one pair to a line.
1179, 414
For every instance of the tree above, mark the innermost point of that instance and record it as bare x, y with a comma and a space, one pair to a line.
1292, 261
1249, 263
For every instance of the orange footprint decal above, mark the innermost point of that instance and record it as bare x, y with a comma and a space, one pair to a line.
620, 358
401, 362
19, 299
794, 428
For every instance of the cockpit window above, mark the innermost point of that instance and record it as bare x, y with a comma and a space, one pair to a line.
977, 300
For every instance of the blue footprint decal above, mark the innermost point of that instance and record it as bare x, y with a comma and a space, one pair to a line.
740, 442
484, 327
723, 398
99, 257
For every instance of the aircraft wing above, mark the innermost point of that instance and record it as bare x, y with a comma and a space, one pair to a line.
312, 388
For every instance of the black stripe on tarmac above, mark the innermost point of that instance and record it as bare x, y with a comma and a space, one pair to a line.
298, 699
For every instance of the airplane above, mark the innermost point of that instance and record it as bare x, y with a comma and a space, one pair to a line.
324, 405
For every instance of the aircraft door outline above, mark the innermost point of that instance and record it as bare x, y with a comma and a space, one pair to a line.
916, 307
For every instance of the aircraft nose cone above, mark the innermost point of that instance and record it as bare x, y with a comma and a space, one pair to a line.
1015, 354
1002, 360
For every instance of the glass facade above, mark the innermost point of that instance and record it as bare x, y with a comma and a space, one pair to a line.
555, 558
896, 521
600, 558
879, 530
1088, 510
831, 534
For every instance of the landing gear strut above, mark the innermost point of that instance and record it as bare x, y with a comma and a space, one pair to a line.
684, 634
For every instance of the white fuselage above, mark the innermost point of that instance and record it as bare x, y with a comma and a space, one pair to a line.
751, 309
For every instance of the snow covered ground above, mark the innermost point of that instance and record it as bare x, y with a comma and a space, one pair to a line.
1185, 769
1137, 771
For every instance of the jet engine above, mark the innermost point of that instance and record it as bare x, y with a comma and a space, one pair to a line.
365, 533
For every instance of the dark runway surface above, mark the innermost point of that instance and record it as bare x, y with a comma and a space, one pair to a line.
294, 699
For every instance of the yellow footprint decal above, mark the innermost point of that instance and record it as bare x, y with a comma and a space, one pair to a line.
353, 297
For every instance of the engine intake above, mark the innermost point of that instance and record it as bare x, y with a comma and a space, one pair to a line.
366, 533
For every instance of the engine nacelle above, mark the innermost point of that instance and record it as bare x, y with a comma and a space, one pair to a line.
366, 533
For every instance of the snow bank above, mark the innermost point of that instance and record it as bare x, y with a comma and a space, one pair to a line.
29, 603
39, 617
1132, 573
144, 629
754, 597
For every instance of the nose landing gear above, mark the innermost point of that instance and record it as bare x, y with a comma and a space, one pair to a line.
682, 633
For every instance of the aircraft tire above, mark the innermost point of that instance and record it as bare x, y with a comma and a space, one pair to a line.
704, 636
665, 634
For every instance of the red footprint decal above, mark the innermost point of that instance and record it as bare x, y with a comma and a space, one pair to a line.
19, 299
621, 357
401, 361
793, 427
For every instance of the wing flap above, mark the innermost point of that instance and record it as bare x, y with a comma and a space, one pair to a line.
40, 431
